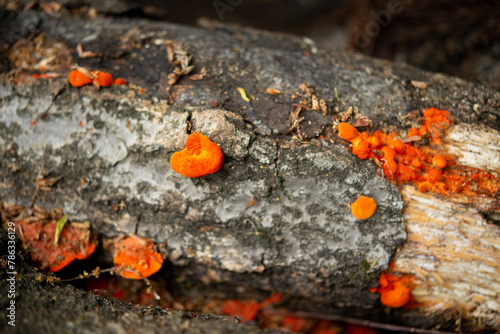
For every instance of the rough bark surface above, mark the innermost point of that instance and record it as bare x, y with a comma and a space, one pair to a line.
113, 146
58, 307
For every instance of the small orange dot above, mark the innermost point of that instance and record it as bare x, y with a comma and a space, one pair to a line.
439, 161
364, 207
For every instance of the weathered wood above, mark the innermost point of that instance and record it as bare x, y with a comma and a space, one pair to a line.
112, 146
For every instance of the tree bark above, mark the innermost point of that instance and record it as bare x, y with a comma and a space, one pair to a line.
112, 146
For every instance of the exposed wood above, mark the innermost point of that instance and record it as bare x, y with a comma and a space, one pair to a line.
453, 251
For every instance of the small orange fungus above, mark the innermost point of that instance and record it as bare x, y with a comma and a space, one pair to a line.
439, 161
136, 258
103, 79
434, 175
347, 131
249, 310
395, 291
364, 207
120, 81
78, 79
389, 153
396, 297
245, 311
75, 243
200, 157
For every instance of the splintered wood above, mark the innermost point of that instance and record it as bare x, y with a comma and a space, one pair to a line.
452, 250
454, 254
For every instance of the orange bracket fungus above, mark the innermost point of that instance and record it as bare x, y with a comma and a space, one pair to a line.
74, 242
364, 207
136, 258
200, 157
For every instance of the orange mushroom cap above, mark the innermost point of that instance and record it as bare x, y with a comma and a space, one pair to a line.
390, 167
347, 131
439, 161
200, 157
434, 175
399, 146
120, 81
103, 79
389, 153
136, 258
396, 297
364, 207
78, 79
361, 149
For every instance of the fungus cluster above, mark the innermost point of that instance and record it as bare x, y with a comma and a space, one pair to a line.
200, 157
395, 291
429, 167
79, 78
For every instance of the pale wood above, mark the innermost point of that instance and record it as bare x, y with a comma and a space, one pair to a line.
452, 250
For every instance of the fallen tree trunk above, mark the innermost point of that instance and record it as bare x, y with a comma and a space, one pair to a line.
273, 218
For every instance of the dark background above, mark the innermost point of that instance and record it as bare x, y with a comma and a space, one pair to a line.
458, 37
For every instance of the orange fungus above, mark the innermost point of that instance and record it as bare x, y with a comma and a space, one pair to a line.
103, 79
136, 258
78, 79
397, 295
200, 157
347, 131
75, 243
395, 291
439, 161
364, 207
120, 81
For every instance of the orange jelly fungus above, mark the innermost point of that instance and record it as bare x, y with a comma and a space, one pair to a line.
364, 207
120, 81
439, 161
427, 166
395, 291
75, 243
248, 310
347, 131
103, 79
78, 79
136, 258
200, 157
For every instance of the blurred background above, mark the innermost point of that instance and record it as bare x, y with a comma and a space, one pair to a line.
457, 37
